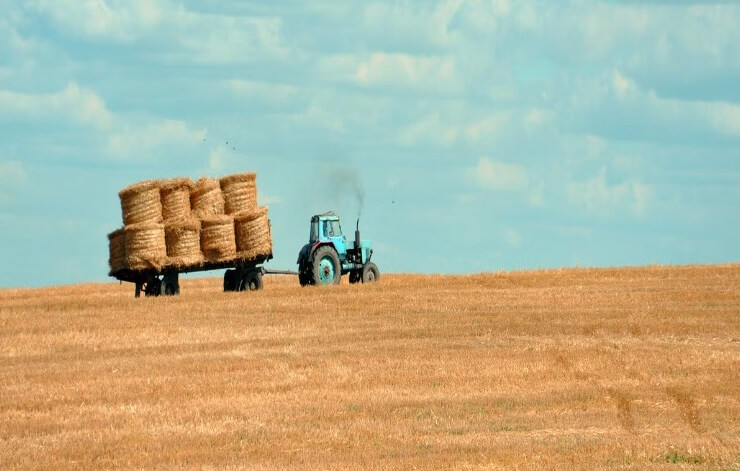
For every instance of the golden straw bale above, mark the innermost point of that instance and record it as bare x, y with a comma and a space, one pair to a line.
145, 246
140, 203
240, 192
217, 238
206, 198
183, 244
253, 235
175, 195
117, 246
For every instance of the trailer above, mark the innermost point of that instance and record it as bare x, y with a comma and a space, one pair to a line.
240, 275
322, 261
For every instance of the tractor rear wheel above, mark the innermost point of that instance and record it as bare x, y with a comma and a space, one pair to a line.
370, 273
326, 269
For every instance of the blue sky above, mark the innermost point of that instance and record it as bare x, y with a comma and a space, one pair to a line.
472, 136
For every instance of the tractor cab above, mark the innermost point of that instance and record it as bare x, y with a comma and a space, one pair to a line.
328, 254
326, 229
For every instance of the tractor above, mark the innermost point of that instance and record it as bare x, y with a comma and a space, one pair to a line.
328, 255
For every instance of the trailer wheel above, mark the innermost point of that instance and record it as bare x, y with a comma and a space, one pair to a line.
231, 280
153, 287
171, 284
252, 281
370, 273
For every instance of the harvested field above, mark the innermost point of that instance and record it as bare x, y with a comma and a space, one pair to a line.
581, 368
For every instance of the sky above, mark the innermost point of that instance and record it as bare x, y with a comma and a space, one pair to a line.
468, 136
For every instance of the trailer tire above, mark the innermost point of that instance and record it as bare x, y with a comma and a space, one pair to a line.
231, 281
252, 281
170, 284
153, 287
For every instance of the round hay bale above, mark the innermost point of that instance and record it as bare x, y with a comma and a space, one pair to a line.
140, 203
117, 247
253, 235
145, 246
175, 196
240, 192
217, 238
206, 198
183, 244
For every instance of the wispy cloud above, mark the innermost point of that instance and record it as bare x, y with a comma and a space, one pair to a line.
73, 103
499, 176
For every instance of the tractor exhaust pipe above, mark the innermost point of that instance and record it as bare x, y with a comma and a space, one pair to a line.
357, 236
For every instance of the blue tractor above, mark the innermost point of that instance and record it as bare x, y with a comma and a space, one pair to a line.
329, 255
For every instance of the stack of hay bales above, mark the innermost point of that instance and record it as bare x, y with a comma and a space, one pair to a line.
181, 224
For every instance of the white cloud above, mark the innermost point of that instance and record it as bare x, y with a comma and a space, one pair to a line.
72, 103
218, 160
500, 176
121, 20
12, 174
267, 200
512, 237
624, 110
404, 70
225, 39
175, 32
487, 127
430, 129
620, 83
418, 23
599, 196
152, 140
263, 91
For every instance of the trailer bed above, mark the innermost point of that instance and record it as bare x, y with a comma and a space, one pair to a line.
241, 275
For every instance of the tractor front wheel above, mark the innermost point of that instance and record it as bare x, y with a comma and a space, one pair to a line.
326, 268
370, 273
355, 276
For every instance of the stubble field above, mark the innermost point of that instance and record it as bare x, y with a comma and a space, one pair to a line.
561, 369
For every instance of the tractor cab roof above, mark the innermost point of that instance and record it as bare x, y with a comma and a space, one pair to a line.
327, 216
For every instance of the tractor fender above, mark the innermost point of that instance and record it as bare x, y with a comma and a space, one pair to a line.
316, 246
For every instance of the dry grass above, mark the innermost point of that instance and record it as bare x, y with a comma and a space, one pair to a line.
617, 368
